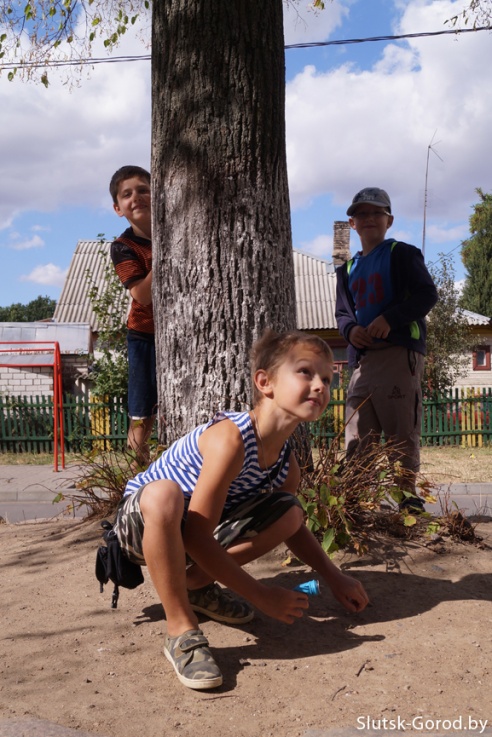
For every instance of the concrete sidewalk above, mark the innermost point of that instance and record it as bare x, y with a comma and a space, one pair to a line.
27, 492
35, 483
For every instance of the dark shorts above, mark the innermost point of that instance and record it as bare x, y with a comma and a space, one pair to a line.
245, 520
142, 381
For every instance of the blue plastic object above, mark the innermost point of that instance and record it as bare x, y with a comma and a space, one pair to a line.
309, 587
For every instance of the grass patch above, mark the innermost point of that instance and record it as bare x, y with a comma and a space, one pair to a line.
457, 465
441, 465
35, 459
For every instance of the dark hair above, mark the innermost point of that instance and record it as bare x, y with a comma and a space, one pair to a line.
271, 349
126, 172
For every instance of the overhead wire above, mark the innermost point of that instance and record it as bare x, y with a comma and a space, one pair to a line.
426, 34
438, 260
307, 45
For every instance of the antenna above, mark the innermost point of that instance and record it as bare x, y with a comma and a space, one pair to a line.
429, 149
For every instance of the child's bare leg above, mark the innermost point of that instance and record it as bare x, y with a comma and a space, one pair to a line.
246, 550
163, 549
186, 648
139, 433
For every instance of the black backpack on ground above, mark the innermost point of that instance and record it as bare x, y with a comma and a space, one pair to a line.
113, 565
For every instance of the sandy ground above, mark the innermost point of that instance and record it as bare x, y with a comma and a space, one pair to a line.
421, 653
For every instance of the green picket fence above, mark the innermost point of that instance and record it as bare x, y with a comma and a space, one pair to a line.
26, 424
461, 417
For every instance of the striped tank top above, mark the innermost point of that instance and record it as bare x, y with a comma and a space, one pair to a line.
182, 463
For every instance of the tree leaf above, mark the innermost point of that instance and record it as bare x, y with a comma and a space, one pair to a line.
328, 540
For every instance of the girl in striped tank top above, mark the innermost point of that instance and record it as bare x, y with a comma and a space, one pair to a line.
224, 495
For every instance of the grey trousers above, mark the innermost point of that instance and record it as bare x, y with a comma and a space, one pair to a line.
385, 396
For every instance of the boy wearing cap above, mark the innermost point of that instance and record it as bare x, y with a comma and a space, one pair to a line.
383, 296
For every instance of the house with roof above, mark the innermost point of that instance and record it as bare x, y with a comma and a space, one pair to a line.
479, 372
315, 286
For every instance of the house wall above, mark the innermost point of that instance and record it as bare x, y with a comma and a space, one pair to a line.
476, 379
32, 381
479, 372
27, 381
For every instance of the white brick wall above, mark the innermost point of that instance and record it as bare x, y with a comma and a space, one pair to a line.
26, 381
38, 381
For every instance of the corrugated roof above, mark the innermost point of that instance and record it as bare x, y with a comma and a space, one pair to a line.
72, 338
315, 282
473, 318
90, 257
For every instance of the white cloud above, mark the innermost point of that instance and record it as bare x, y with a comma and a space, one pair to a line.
26, 245
321, 246
48, 275
61, 145
443, 234
350, 127
6, 218
346, 128
303, 24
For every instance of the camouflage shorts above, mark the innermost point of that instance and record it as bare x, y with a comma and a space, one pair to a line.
245, 520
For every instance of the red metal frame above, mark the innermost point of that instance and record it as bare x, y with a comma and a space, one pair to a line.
55, 364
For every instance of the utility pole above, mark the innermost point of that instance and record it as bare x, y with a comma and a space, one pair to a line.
429, 149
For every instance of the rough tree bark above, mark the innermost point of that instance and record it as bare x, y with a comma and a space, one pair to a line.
222, 258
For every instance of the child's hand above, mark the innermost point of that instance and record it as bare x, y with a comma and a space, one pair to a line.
282, 604
359, 337
350, 592
379, 328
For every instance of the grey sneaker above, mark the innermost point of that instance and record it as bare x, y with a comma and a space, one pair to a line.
220, 605
192, 660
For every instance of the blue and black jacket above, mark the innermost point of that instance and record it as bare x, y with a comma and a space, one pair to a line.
415, 296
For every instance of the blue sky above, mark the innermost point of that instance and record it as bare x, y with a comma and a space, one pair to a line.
357, 115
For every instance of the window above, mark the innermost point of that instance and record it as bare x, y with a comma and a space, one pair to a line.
481, 358
340, 369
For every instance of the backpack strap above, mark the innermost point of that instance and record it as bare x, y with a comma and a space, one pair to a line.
115, 596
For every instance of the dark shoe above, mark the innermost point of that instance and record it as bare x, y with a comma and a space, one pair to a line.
220, 605
192, 660
412, 504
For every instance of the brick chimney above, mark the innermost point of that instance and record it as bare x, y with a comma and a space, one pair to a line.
341, 242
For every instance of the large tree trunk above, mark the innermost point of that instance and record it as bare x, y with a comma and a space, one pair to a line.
222, 258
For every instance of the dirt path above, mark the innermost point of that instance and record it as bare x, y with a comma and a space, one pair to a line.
421, 652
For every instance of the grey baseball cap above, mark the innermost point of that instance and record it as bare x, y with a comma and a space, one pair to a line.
370, 196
